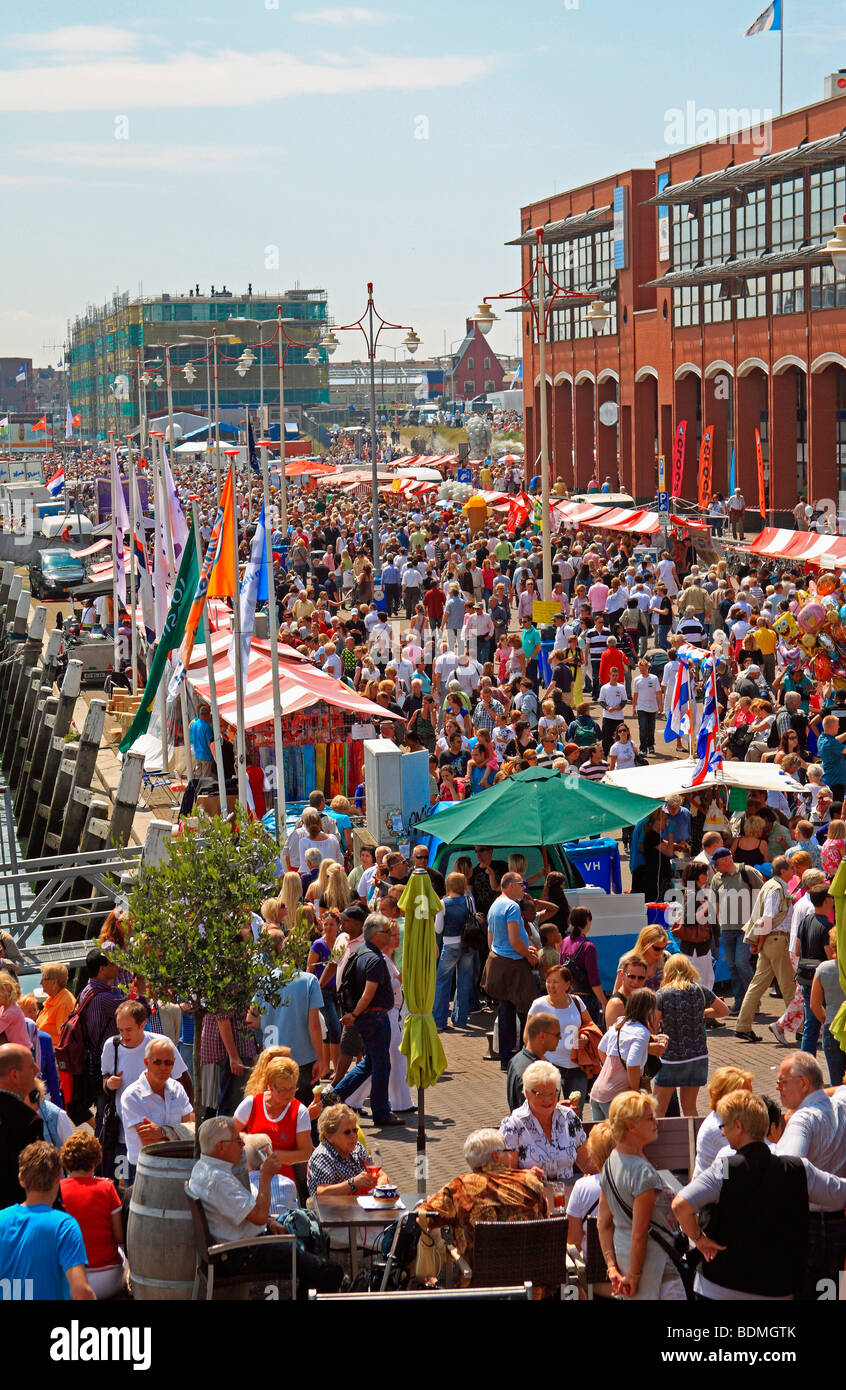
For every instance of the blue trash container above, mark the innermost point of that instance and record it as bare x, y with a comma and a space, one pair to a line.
598, 860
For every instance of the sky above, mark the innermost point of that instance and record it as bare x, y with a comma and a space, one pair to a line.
286, 142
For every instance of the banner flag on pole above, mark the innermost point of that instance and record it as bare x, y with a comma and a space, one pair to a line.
172, 634
253, 592
678, 715
678, 459
705, 468
121, 516
161, 568
707, 746
214, 556
178, 525
762, 482
223, 581
767, 22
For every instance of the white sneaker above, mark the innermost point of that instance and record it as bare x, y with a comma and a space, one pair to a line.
778, 1035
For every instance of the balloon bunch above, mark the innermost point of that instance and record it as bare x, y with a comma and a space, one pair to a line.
454, 492
813, 631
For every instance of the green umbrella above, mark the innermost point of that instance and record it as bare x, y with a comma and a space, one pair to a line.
420, 1044
538, 807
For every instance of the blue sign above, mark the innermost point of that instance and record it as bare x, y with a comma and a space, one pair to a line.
664, 502
464, 475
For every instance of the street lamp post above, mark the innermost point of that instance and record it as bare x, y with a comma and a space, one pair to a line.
372, 334
536, 285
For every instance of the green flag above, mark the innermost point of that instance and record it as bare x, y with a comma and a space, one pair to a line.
172, 634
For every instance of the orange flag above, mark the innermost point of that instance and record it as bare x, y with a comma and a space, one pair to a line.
223, 581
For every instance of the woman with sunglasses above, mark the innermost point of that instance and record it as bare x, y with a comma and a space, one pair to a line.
340, 1166
631, 976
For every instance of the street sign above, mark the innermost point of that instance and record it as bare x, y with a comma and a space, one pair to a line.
663, 504
464, 475
662, 476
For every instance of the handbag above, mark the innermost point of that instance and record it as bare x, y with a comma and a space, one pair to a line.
107, 1122
675, 1247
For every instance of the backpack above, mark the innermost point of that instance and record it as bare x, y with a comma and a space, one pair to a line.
347, 998
302, 1223
71, 1051
575, 965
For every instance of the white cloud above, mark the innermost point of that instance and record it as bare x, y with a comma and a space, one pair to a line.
224, 79
125, 155
76, 40
344, 18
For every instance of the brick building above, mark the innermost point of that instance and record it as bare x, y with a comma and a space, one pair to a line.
474, 367
725, 312
16, 384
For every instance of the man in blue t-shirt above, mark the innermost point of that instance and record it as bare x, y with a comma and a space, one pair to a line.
509, 940
42, 1253
201, 738
294, 1022
830, 748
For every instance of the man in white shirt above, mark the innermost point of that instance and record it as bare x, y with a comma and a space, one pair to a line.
468, 673
153, 1101
816, 1130
736, 508
444, 667
235, 1212
122, 1070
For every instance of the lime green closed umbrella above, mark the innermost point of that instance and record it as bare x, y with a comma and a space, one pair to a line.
420, 1044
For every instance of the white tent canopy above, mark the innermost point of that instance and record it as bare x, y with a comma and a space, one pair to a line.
671, 779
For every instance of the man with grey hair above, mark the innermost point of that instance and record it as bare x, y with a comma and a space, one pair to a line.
235, 1212
496, 1188
153, 1101
816, 1130
366, 995
485, 1146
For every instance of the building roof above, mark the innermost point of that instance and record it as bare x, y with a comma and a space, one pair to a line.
568, 226
809, 154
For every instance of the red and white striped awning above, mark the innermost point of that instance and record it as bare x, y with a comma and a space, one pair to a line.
777, 542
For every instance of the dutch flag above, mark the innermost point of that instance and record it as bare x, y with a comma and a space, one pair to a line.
57, 482
678, 715
707, 747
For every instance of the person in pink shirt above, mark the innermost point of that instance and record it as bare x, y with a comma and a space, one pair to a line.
13, 1027
598, 595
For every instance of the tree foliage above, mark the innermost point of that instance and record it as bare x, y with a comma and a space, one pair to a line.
186, 915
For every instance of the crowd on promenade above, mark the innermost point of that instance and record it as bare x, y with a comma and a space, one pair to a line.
451, 650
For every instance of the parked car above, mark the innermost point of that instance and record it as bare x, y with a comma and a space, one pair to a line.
53, 573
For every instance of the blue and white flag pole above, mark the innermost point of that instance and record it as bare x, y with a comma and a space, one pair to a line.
771, 20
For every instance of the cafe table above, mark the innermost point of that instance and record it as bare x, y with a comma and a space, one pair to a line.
343, 1213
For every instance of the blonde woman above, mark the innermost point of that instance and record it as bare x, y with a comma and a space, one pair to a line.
340, 811
60, 1002
336, 893
684, 1004
13, 1027
651, 946
291, 893
635, 1221
315, 890
751, 847
710, 1138
274, 1110
273, 912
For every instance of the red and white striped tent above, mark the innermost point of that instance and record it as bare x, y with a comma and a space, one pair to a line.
801, 546
301, 685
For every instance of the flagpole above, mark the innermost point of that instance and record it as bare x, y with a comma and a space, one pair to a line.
183, 694
157, 501
273, 633
133, 578
781, 62
240, 732
283, 489
215, 712
116, 540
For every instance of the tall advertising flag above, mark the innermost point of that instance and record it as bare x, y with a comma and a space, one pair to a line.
171, 635
218, 553
762, 482
706, 468
678, 459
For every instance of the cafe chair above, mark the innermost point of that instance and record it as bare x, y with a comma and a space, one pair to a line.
211, 1258
588, 1272
506, 1252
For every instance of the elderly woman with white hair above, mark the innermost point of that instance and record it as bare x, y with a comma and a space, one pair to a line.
544, 1133
494, 1189
152, 1102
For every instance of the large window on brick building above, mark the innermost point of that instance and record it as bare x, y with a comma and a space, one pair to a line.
686, 305
685, 225
716, 230
826, 200
750, 222
788, 292
716, 304
827, 292
787, 213
753, 304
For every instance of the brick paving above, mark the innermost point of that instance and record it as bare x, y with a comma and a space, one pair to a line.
471, 1094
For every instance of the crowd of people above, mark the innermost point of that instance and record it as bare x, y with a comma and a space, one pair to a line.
451, 650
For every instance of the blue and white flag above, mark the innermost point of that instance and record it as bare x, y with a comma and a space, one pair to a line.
678, 715
769, 20
20, 374
121, 518
707, 745
254, 590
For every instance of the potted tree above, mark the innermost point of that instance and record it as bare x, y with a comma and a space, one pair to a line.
191, 940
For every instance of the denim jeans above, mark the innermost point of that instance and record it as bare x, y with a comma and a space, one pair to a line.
230, 1088
739, 961
662, 635
811, 1031
453, 959
834, 1056
506, 1018
375, 1030
646, 728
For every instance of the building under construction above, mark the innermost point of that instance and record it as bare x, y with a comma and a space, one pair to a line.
107, 343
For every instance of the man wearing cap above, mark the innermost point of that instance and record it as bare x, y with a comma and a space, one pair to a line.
731, 895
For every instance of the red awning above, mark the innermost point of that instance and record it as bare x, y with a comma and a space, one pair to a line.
806, 547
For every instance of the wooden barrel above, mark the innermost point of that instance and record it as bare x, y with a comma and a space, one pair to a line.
160, 1232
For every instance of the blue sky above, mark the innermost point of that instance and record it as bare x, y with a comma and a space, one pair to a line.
297, 125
